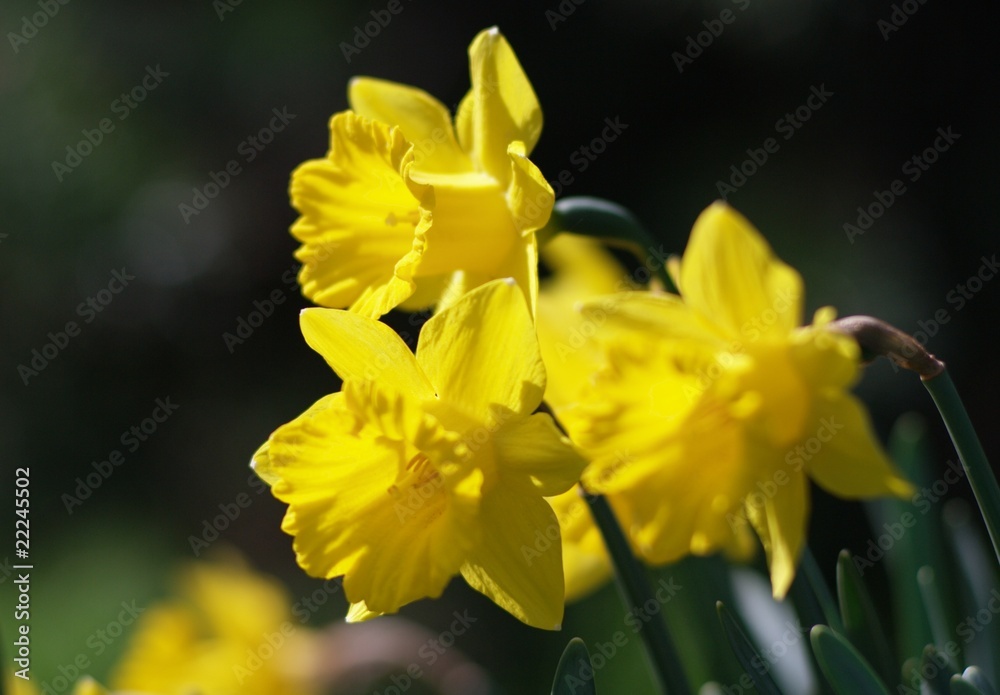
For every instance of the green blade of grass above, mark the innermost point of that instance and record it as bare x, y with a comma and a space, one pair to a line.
845, 669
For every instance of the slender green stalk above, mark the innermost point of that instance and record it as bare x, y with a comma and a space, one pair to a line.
636, 592
970, 451
876, 337
611, 223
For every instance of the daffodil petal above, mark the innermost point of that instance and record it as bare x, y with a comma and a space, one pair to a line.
325, 494
534, 446
521, 264
357, 347
731, 275
359, 613
848, 461
530, 196
780, 521
481, 353
827, 360
358, 216
508, 567
663, 315
424, 121
261, 463
464, 121
504, 107
678, 512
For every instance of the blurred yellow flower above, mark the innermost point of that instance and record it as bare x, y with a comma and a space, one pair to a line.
429, 465
88, 686
228, 632
717, 407
567, 335
568, 330
407, 208
17, 685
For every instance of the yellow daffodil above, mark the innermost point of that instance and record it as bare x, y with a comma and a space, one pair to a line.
719, 407
228, 632
408, 208
429, 465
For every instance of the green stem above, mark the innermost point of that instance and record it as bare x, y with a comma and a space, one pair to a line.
970, 451
612, 224
636, 592
876, 337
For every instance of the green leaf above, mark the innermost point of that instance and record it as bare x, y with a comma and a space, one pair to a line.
973, 581
745, 652
845, 669
821, 590
805, 594
574, 674
861, 621
935, 611
915, 532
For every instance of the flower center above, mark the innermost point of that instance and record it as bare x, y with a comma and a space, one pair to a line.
420, 475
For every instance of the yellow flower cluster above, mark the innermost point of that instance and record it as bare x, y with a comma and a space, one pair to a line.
699, 415
697, 412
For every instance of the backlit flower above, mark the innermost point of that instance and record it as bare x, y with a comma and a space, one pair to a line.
429, 465
718, 406
408, 208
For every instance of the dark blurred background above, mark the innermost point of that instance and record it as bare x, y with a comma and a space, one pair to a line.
215, 73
